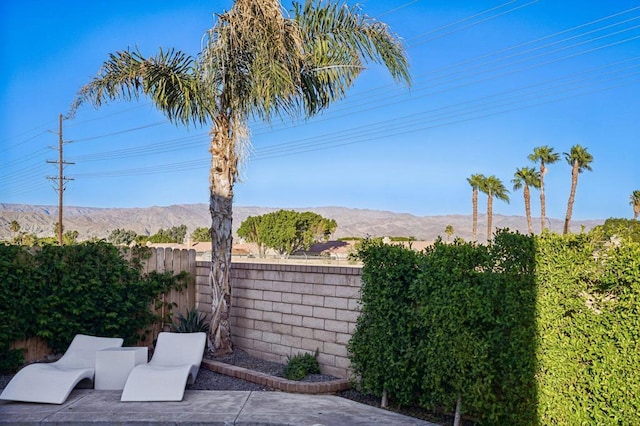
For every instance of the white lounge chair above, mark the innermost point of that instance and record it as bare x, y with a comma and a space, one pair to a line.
174, 363
52, 382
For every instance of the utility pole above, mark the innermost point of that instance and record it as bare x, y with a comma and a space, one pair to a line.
61, 178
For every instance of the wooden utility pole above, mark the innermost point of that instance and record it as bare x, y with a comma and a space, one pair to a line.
61, 178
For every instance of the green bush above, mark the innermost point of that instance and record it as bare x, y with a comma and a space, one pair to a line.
17, 312
526, 330
381, 347
60, 291
301, 365
588, 330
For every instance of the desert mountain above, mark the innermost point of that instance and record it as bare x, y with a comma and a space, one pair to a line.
99, 222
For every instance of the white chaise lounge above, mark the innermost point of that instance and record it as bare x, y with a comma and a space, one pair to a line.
175, 362
52, 383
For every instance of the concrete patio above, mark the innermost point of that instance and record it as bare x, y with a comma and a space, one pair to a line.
88, 406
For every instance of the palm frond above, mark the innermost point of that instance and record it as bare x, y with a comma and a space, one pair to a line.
251, 56
339, 42
170, 79
266, 64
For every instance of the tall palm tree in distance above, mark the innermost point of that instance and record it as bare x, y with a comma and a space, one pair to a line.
634, 202
526, 177
493, 187
579, 160
14, 226
544, 155
256, 62
475, 181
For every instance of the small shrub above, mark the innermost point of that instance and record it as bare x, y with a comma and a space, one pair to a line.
301, 365
192, 323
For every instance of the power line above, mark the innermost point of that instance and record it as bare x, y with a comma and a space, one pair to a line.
469, 25
443, 84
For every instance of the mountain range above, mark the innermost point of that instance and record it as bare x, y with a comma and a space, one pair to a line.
93, 222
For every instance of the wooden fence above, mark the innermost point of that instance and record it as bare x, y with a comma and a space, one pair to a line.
176, 261
161, 260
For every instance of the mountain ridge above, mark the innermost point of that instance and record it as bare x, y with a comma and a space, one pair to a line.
98, 222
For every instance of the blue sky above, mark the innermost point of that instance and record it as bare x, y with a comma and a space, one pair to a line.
492, 80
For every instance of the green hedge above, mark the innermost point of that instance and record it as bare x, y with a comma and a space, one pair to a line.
526, 330
588, 331
56, 292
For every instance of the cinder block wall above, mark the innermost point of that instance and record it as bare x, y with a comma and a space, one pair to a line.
280, 310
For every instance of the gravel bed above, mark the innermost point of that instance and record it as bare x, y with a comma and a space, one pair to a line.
241, 359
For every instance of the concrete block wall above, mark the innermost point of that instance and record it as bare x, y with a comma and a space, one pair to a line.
280, 310
203, 289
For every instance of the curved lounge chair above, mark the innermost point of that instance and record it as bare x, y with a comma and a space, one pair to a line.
52, 383
174, 363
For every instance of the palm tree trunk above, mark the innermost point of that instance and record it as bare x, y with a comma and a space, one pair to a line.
474, 201
527, 208
221, 180
489, 215
543, 208
572, 196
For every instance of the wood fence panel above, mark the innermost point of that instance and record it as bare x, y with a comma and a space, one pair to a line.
175, 261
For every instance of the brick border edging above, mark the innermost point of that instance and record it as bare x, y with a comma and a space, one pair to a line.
274, 382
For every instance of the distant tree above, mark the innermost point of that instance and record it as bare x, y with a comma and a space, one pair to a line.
142, 240
287, 231
493, 187
316, 228
175, 234
544, 155
14, 226
449, 231
178, 233
70, 237
121, 237
475, 181
45, 241
402, 239
250, 230
620, 228
579, 160
28, 240
526, 177
634, 202
201, 235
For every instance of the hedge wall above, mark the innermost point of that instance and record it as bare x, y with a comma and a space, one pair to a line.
526, 330
56, 292
588, 331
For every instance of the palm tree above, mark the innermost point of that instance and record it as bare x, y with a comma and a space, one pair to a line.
634, 202
544, 155
449, 231
526, 177
256, 62
475, 181
493, 187
14, 226
579, 160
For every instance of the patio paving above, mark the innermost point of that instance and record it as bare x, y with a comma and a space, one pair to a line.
89, 406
